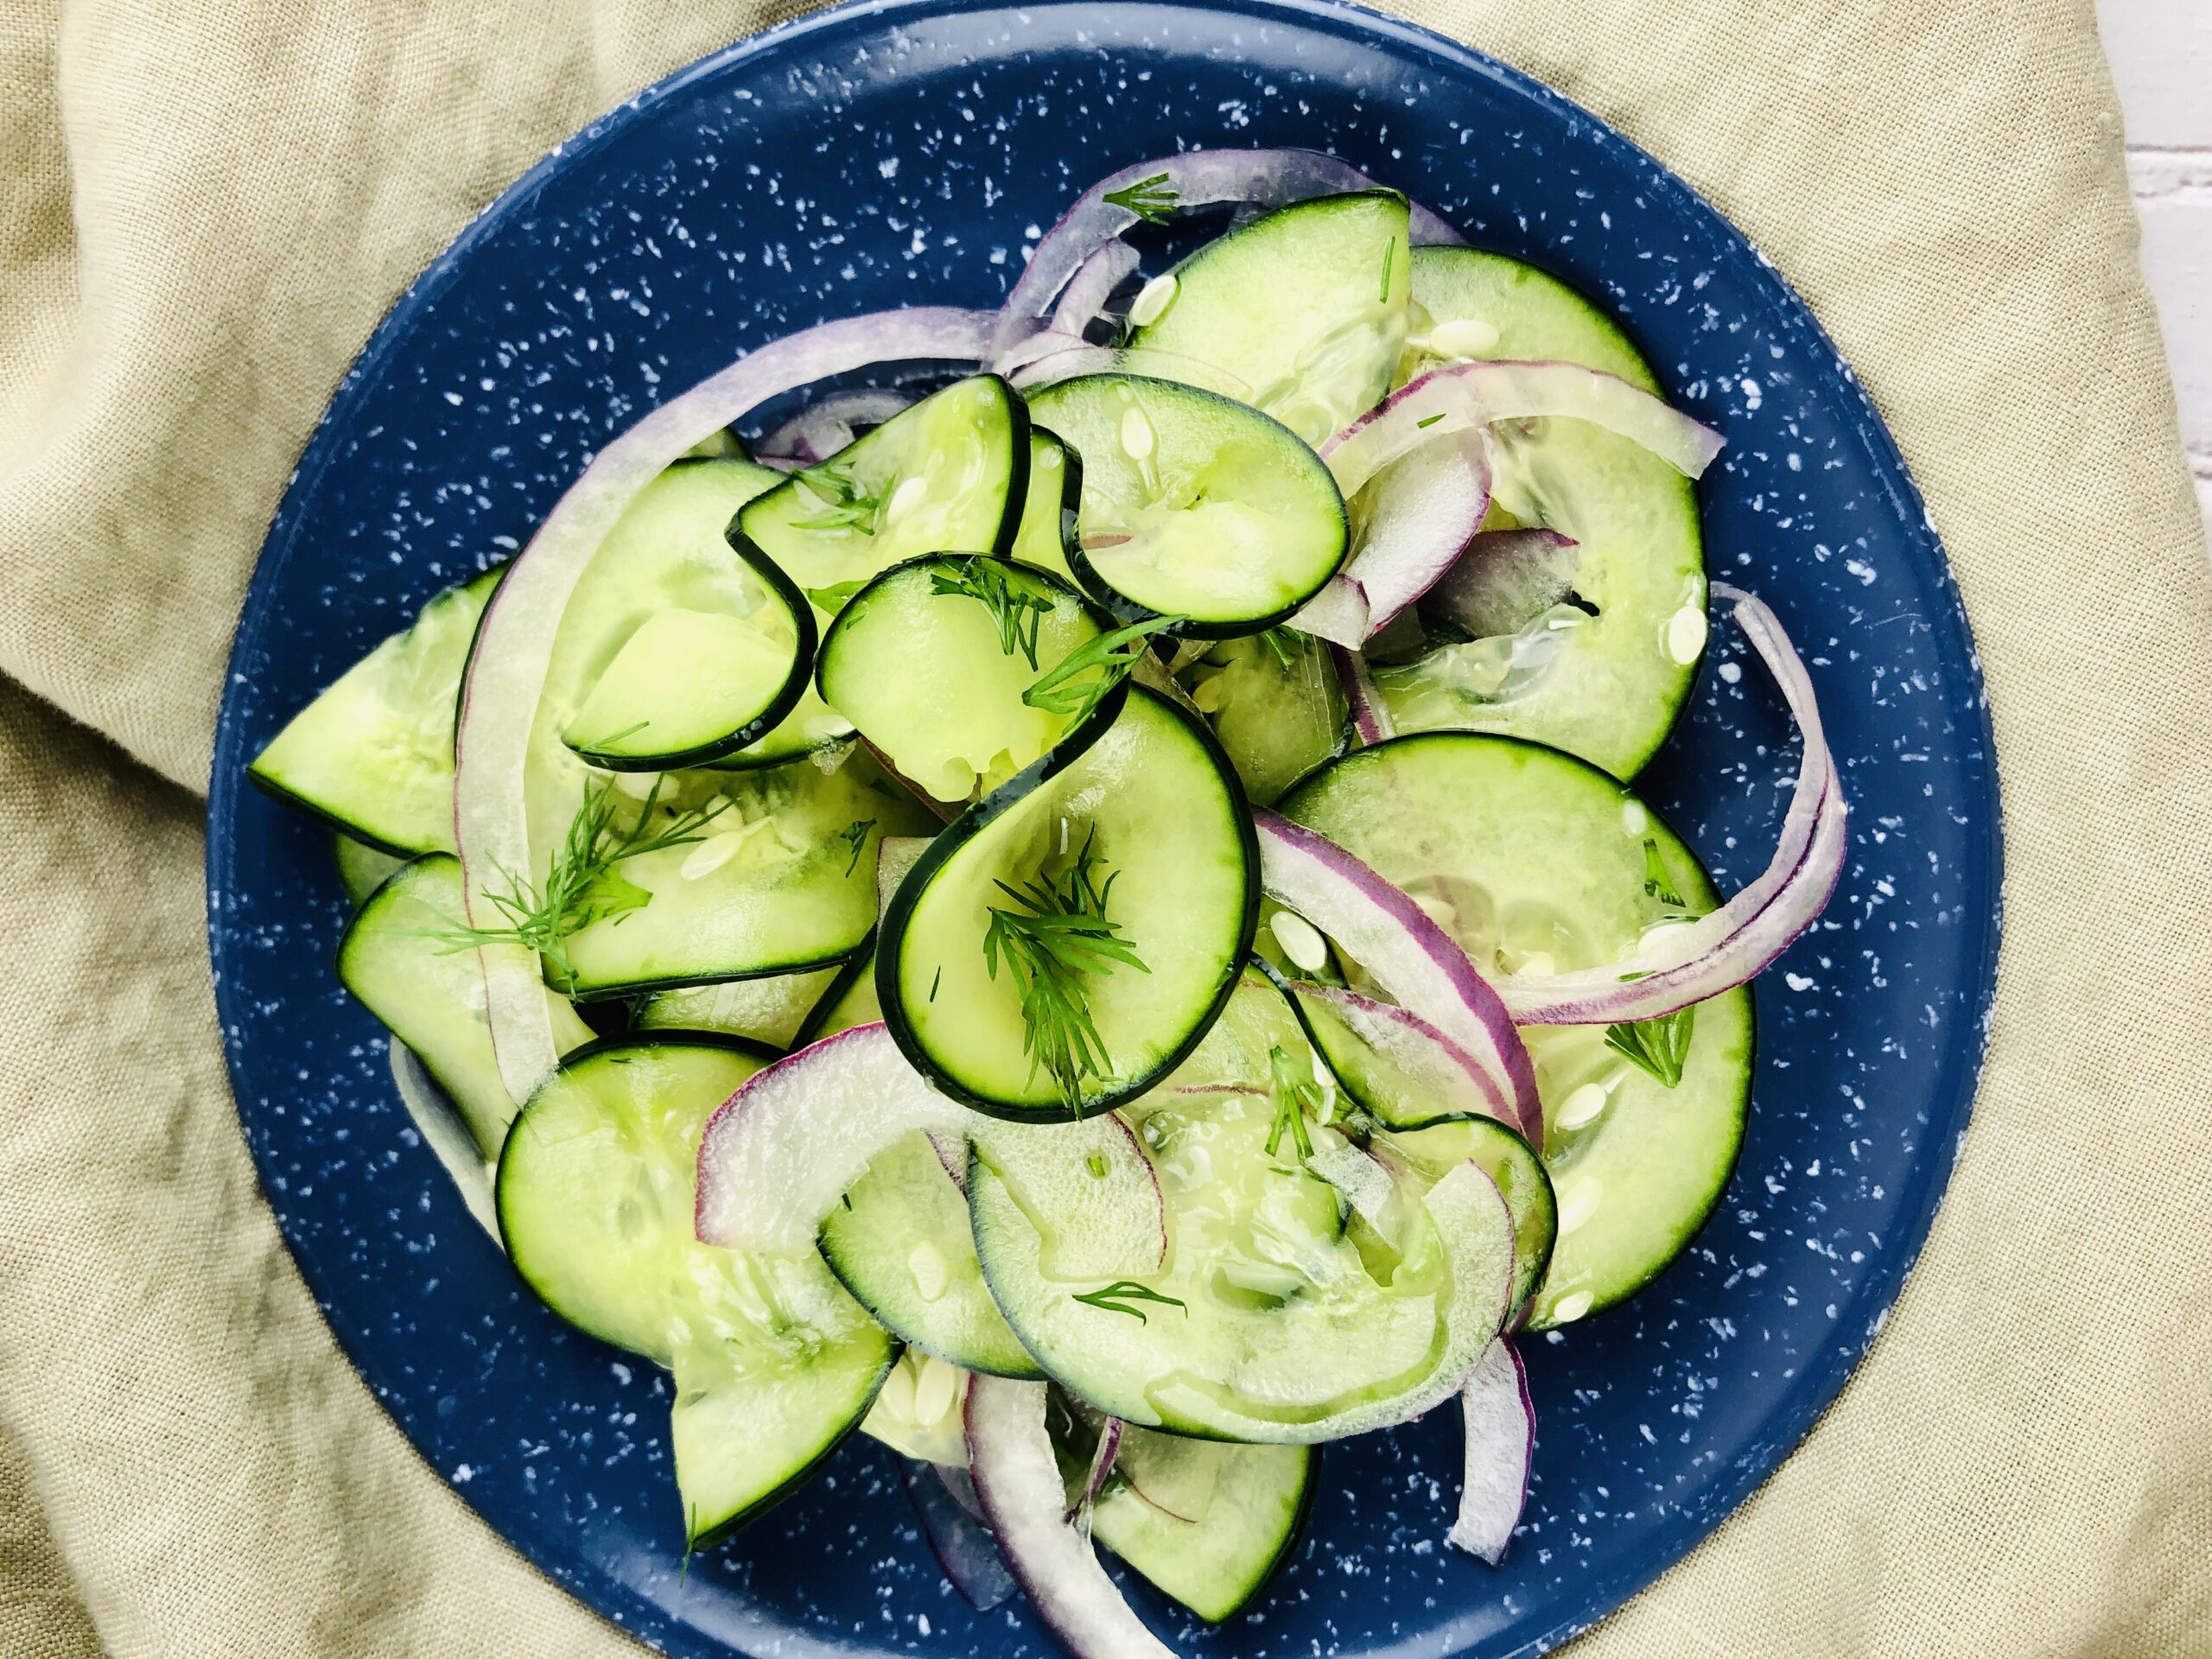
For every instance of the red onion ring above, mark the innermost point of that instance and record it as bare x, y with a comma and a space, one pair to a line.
1501, 1436
1400, 945
822, 428
1738, 941
1017, 1479
1461, 396
1417, 516
1368, 719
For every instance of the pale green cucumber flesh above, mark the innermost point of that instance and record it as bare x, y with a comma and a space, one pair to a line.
1304, 306
1049, 509
782, 879
925, 670
1153, 798
900, 1242
430, 995
361, 868
774, 1364
372, 754
1607, 687
1272, 1320
1275, 703
772, 1010
1194, 506
717, 667
1204, 1522
1535, 860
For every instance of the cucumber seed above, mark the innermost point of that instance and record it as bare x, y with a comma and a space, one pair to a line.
1152, 300
1686, 631
1582, 1107
1300, 941
1136, 435
1468, 337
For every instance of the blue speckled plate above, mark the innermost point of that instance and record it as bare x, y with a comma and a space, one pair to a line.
911, 152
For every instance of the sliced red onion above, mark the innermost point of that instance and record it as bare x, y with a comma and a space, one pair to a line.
514, 644
1018, 1479
1416, 517
962, 1543
1368, 718
823, 428
1505, 579
1102, 1465
1095, 279
1199, 178
1442, 1073
1463, 396
1401, 946
1501, 1436
1677, 966
438, 1120
778, 1154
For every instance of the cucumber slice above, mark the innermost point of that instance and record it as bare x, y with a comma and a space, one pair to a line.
1194, 504
361, 868
717, 667
1305, 305
373, 752
1152, 797
1530, 857
771, 1011
1237, 1049
929, 662
900, 1242
430, 996
1270, 1321
1275, 703
774, 1362
1049, 510
1204, 1521
785, 879
1432, 1149
1607, 687
949, 475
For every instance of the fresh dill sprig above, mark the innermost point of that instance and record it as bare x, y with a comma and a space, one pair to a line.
855, 835
846, 503
1282, 644
1056, 938
1659, 1046
1113, 655
1147, 199
1018, 615
1297, 1092
583, 884
832, 599
1390, 259
1113, 1297
1656, 882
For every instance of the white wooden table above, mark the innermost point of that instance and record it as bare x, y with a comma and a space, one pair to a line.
2161, 54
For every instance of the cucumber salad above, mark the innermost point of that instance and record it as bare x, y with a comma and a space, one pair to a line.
1074, 900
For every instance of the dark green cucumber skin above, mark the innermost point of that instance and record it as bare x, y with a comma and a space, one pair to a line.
802, 664
957, 834
1126, 611
1017, 488
284, 798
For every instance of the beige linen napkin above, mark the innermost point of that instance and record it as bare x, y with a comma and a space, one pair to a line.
205, 207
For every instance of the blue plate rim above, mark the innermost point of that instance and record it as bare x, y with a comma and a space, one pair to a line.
1725, 242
